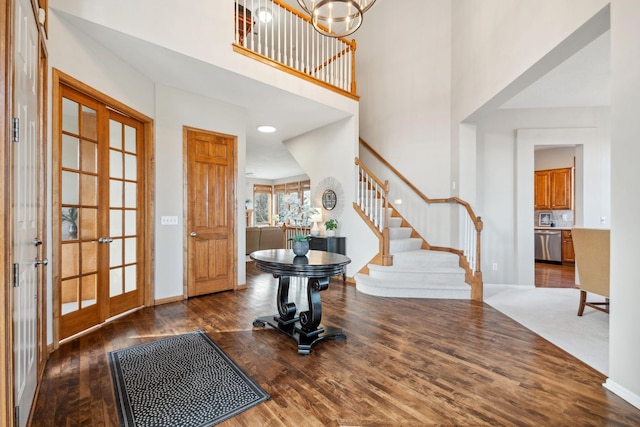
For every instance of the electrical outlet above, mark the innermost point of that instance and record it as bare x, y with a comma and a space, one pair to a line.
495, 266
168, 220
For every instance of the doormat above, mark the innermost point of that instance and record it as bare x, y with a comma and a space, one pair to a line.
184, 380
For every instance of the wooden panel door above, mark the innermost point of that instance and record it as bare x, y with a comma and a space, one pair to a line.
26, 211
211, 248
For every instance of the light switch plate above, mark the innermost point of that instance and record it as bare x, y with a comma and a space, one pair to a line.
168, 220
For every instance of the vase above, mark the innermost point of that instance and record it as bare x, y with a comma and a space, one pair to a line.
73, 230
331, 233
301, 248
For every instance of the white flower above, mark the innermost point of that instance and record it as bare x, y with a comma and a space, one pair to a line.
298, 214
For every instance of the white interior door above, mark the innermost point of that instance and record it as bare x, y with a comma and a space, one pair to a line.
25, 209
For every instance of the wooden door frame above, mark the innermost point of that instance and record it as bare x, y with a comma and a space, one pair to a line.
148, 255
234, 204
6, 379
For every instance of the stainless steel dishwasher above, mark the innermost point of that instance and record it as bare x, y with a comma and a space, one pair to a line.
549, 246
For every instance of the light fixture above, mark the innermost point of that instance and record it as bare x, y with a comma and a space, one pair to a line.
266, 129
315, 219
264, 14
336, 18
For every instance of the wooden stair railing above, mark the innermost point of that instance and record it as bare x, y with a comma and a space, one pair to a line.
290, 43
470, 252
372, 204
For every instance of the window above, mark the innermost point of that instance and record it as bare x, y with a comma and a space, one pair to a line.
281, 191
262, 204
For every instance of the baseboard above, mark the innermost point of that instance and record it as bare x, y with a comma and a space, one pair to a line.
168, 300
624, 393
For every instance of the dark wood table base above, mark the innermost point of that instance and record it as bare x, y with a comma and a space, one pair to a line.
304, 340
317, 267
305, 328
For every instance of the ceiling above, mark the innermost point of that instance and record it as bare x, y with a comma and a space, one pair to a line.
582, 80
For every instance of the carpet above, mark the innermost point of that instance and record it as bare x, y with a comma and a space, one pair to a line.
552, 314
184, 380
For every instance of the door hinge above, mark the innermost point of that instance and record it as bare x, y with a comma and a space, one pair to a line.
16, 129
16, 416
16, 273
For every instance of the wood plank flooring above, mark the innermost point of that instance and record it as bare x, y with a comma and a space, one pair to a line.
406, 362
555, 275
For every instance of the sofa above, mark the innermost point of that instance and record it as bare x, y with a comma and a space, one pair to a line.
259, 238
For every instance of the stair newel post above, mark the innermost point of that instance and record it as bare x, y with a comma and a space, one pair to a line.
387, 258
353, 67
477, 288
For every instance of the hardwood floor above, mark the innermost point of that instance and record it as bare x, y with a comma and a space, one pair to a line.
406, 362
555, 275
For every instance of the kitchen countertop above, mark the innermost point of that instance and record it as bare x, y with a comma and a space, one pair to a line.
552, 228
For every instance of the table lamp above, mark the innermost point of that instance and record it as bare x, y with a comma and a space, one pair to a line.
315, 219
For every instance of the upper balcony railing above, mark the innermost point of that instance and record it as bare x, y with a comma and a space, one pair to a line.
289, 41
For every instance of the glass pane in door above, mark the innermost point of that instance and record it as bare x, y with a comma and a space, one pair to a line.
123, 204
79, 207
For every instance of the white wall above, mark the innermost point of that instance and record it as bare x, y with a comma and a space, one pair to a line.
175, 109
554, 158
404, 76
330, 152
498, 43
72, 52
505, 182
624, 342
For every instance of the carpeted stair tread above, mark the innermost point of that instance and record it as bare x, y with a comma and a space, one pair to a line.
401, 245
400, 232
411, 289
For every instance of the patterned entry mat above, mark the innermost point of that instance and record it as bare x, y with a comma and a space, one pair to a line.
184, 380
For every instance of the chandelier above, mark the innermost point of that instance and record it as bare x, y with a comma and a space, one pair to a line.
336, 18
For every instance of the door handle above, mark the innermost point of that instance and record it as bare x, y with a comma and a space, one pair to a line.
193, 234
43, 261
105, 240
37, 242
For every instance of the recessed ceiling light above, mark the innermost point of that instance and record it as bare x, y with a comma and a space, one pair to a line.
266, 129
264, 14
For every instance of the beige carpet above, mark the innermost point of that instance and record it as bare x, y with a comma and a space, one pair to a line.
552, 314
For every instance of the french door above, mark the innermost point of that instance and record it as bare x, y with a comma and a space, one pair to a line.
100, 155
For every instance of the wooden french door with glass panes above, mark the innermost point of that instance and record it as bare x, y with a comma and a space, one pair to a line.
100, 198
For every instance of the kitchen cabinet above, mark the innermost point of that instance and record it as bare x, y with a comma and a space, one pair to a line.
553, 189
568, 256
542, 200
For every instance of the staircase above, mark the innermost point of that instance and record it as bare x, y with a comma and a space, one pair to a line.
406, 265
416, 272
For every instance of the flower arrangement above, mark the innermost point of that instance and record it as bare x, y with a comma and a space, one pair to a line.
298, 215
